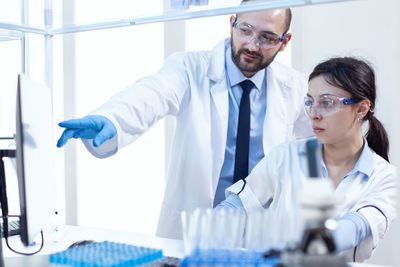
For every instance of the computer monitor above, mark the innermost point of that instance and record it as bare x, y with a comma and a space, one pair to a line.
35, 158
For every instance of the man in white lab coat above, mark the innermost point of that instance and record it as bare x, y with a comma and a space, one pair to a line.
204, 91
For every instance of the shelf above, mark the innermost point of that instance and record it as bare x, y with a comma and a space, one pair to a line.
175, 12
8, 35
21, 28
214, 8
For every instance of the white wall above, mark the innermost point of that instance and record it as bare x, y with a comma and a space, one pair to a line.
370, 29
122, 192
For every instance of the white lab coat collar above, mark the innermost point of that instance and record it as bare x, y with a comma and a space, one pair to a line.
364, 164
278, 96
216, 70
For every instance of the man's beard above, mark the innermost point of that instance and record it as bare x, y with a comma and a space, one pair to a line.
250, 67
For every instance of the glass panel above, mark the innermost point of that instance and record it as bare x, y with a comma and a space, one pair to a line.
106, 62
10, 11
90, 11
10, 65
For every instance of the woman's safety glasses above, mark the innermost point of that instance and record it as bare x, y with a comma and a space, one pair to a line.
326, 105
264, 39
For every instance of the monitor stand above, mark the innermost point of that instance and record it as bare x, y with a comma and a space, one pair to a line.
10, 153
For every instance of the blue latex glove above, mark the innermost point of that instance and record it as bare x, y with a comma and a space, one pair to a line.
95, 127
352, 229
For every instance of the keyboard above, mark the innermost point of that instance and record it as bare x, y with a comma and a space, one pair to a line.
169, 262
13, 228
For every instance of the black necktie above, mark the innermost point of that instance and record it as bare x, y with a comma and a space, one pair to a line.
243, 134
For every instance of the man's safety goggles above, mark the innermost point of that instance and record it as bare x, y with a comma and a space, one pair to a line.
264, 39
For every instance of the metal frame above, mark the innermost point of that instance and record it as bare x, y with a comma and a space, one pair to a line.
19, 31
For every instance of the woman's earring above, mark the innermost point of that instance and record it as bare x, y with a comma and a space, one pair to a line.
358, 119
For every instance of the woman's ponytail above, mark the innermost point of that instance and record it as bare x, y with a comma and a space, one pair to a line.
377, 137
357, 77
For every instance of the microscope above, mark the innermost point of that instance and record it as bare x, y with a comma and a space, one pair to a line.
317, 247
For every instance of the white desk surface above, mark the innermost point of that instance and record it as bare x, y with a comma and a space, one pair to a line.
70, 234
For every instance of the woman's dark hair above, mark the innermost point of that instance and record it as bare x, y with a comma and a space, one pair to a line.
357, 77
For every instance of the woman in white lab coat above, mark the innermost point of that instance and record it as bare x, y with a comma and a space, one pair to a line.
341, 96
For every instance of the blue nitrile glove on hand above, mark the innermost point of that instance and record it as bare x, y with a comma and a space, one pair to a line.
95, 127
351, 230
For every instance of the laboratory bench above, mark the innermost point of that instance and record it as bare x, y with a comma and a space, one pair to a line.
70, 234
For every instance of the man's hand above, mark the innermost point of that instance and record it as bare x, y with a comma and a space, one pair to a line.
95, 127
